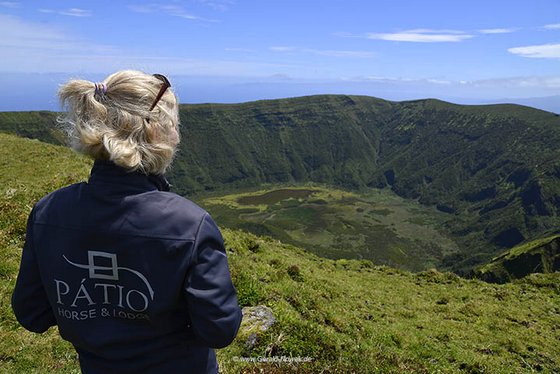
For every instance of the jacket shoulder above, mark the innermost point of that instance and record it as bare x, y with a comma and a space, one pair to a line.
176, 204
66, 194
169, 214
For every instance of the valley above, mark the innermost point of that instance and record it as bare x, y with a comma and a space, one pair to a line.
492, 170
376, 224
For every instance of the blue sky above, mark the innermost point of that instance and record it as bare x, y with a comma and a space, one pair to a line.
240, 50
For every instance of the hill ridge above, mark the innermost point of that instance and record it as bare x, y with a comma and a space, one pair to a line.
493, 168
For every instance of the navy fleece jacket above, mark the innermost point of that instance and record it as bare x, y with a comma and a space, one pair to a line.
135, 277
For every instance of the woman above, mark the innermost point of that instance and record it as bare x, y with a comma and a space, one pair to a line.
135, 277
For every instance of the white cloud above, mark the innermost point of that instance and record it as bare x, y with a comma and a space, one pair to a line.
37, 47
282, 49
28, 47
439, 81
221, 5
235, 49
73, 12
9, 4
422, 36
497, 31
344, 34
335, 53
434, 31
22, 35
401, 80
142, 8
544, 82
537, 51
553, 26
172, 10
179, 11
324, 52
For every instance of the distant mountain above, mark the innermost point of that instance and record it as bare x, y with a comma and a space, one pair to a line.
548, 103
495, 169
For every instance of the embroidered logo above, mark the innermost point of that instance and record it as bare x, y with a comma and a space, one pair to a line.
105, 293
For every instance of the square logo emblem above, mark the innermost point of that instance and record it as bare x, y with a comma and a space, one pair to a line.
102, 265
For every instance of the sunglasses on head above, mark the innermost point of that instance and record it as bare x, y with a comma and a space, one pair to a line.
164, 86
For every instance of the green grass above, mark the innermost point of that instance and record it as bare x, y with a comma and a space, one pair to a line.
524, 248
275, 196
375, 224
540, 255
345, 315
29, 170
353, 316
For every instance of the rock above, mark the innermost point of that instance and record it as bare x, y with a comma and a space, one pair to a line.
251, 341
256, 320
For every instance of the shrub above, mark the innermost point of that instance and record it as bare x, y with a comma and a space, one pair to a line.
248, 290
294, 273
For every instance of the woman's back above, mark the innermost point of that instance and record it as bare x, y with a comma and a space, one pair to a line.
135, 277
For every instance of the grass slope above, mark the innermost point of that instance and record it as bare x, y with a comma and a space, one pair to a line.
34, 125
350, 316
346, 315
29, 170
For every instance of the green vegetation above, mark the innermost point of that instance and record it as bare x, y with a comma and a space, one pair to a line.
537, 256
375, 225
352, 316
494, 169
346, 315
30, 170
34, 125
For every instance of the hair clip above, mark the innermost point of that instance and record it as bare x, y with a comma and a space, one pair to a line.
164, 86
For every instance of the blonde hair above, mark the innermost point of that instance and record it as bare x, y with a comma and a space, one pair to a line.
111, 120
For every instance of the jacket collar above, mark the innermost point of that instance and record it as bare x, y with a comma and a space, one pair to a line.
107, 172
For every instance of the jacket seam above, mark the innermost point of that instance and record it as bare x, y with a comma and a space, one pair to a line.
119, 234
195, 242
